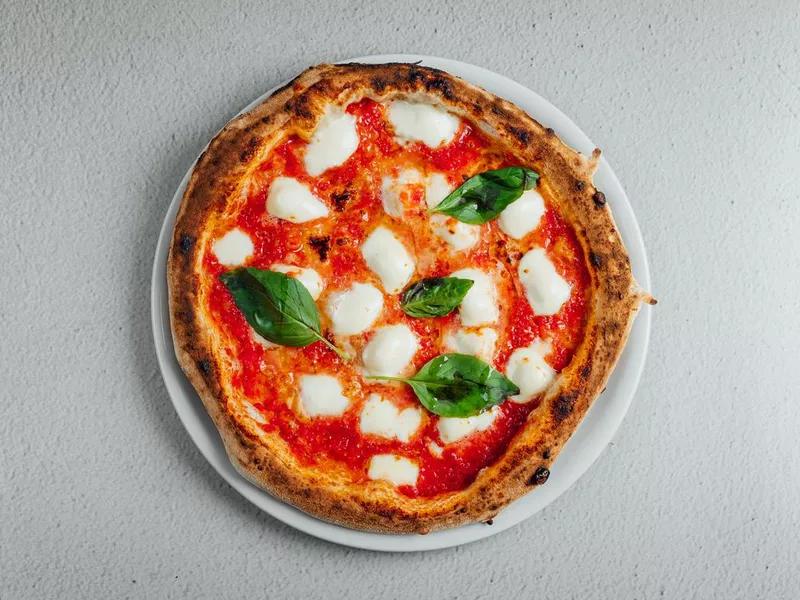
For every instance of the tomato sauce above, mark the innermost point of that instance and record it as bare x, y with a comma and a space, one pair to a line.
268, 378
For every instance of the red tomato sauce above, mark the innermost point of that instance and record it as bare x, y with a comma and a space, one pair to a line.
268, 378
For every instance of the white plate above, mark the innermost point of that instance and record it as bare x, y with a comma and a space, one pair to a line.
583, 448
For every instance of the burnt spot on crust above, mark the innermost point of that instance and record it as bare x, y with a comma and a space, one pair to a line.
599, 199
266, 119
489, 522
546, 454
341, 199
586, 371
250, 150
523, 136
204, 366
299, 106
441, 85
541, 475
322, 245
550, 131
186, 243
498, 109
415, 75
379, 83
563, 406
579, 185
594, 258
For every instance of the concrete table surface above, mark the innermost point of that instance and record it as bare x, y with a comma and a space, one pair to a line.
103, 106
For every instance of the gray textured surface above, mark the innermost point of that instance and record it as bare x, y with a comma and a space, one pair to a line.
102, 109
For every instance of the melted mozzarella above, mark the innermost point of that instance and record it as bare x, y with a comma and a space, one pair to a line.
529, 371
354, 310
522, 216
546, 289
479, 306
435, 449
382, 418
437, 188
321, 395
394, 469
460, 236
396, 191
479, 343
417, 122
388, 259
452, 429
310, 279
290, 200
390, 350
334, 140
233, 248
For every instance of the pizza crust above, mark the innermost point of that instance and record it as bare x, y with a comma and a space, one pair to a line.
215, 188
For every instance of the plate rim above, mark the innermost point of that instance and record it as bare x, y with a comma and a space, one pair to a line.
562, 477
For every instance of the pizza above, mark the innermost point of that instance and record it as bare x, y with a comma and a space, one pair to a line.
397, 295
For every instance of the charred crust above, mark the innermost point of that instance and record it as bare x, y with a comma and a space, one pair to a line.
266, 119
523, 135
250, 150
441, 85
321, 245
379, 83
541, 475
550, 131
579, 185
594, 258
204, 366
186, 243
299, 106
546, 454
599, 199
563, 406
489, 522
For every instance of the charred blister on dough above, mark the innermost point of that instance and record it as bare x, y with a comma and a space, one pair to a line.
594, 258
599, 199
250, 150
186, 243
579, 185
379, 83
441, 85
563, 406
550, 131
522, 135
204, 366
546, 454
541, 475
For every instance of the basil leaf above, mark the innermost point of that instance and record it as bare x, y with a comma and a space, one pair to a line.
458, 385
484, 196
278, 307
434, 296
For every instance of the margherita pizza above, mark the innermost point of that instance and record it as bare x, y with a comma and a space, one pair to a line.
396, 295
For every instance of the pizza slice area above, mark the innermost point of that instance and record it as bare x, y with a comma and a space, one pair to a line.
347, 213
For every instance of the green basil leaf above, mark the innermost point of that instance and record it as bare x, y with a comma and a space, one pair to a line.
458, 385
484, 196
278, 307
434, 296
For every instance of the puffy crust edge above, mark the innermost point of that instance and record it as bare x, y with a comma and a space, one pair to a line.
264, 459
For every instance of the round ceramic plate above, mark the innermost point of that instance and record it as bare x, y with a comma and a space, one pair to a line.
583, 448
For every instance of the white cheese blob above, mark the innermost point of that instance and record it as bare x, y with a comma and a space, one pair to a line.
388, 259
546, 289
417, 122
396, 191
390, 350
394, 469
310, 279
382, 418
529, 371
354, 310
479, 306
460, 236
321, 395
480, 343
522, 216
452, 429
334, 140
435, 449
437, 188
233, 248
290, 200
